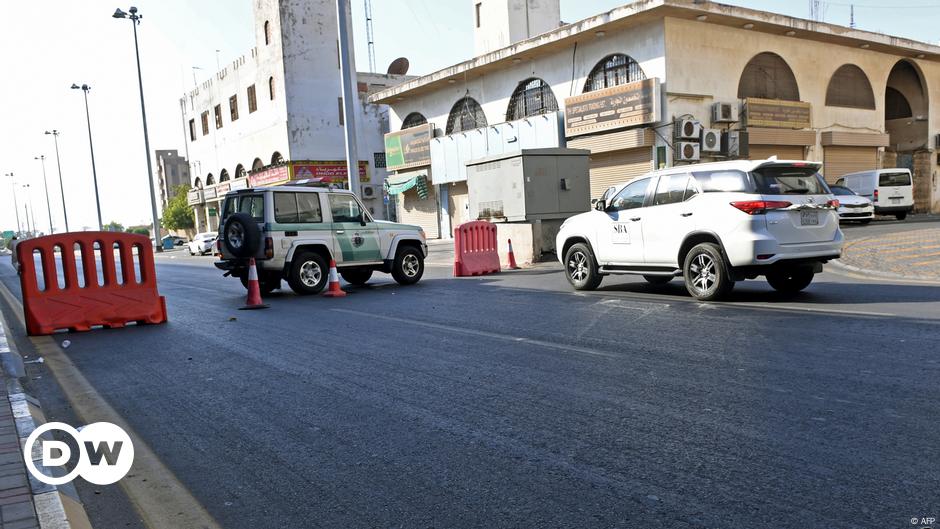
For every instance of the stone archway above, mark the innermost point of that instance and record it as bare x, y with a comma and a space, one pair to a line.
906, 122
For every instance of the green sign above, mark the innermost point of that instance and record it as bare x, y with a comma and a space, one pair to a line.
213, 212
409, 148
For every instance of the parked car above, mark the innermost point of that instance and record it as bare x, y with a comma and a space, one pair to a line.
890, 190
202, 243
177, 241
294, 232
712, 224
853, 207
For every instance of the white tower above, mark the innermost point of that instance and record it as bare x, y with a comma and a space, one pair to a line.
500, 23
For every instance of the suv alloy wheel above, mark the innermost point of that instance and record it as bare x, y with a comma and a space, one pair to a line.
408, 266
707, 275
309, 273
581, 269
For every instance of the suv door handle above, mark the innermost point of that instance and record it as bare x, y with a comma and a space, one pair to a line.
689, 214
340, 232
634, 219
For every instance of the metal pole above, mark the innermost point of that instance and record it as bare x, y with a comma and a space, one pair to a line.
58, 161
16, 206
45, 185
349, 91
91, 147
143, 113
30, 211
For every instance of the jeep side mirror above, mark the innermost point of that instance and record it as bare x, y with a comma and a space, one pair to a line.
600, 205
362, 217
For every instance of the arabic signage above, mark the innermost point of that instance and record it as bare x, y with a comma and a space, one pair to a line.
209, 193
327, 171
627, 105
270, 176
194, 197
409, 148
776, 113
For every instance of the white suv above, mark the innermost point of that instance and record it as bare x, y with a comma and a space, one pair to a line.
713, 224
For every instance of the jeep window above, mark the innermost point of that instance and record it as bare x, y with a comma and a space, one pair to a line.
252, 205
345, 208
692, 189
671, 189
722, 181
789, 180
630, 197
894, 179
297, 208
229, 207
285, 208
308, 208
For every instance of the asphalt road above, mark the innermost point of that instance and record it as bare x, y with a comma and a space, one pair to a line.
510, 401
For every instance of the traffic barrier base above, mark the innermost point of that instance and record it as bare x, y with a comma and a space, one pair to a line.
475, 249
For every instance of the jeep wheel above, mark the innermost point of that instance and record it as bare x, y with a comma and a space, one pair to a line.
408, 266
658, 280
356, 276
707, 277
581, 269
267, 284
791, 281
309, 273
241, 236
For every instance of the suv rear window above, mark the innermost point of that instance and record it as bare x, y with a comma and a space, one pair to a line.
723, 181
894, 179
252, 205
297, 208
789, 180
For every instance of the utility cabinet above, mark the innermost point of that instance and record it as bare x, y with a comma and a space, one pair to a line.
529, 185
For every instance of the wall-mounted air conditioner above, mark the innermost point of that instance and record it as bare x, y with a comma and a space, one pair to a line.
724, 113
734, 144
368, 192
711, 140
687, 151
688, 129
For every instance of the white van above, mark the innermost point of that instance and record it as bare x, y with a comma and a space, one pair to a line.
890, 190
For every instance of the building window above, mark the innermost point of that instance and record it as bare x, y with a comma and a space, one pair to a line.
257, 165
342, 117
768, 76
849, 87
896, 105
476, 10
466, 114
233, 107
205, 123
218, 116
267, 32
192, 130
413, 120
532, 97
271, 87
223, 176
252, 99
240, 171
276, 158
210, 180
614, 70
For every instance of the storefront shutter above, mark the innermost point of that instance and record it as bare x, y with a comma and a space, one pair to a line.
611, 168
840, 160
413, 210
782, 152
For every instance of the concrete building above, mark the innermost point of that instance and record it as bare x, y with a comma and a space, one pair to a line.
638, 84
276, 114
172, 172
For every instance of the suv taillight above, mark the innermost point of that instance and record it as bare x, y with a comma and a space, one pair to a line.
218, 246
834, 203
757, 207
875, 198
269, 247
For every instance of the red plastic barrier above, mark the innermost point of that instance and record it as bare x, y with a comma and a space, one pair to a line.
475, 250
79, 307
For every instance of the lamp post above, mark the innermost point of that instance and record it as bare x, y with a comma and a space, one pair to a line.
94, 174
45, 184
135, 20
16, 206
55, 137
29, 211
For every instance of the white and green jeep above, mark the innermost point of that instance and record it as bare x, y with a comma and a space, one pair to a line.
294, 232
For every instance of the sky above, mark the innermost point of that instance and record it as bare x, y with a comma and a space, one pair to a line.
45, 46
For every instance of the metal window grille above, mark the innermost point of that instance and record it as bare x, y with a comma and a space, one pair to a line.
614, 70
531, 98
466, 114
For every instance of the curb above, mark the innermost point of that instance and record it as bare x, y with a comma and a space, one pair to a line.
877, 274
57, 507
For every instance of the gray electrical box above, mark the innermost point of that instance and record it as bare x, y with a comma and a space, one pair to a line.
528, 185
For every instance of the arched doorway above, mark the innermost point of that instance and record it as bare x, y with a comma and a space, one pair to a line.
906, 111
257, 165
276, 158
223, 176
240, 171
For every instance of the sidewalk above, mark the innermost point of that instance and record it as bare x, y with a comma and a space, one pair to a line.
912, 255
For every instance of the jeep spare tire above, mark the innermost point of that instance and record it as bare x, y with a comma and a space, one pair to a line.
241, 236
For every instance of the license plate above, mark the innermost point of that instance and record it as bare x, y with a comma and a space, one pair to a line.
809, 218
895, 200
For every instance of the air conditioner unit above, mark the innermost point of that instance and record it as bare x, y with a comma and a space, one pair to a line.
734, 144
724, 113
688, 129
368, 192
711, 140
687, 151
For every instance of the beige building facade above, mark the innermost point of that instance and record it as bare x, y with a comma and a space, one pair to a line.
789, 87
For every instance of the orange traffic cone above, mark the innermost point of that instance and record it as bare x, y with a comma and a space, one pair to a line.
254, 289
512, 258
335, 291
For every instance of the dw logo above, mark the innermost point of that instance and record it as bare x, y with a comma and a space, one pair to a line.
105, 453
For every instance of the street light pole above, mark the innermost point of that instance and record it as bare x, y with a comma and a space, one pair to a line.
58, 161
349, 92
94, 174
135, 20
45, 184
16, 207
30, 211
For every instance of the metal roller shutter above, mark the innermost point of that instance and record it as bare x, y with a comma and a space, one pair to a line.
782, 152
611, 168
424, 213
840, 160
458, 201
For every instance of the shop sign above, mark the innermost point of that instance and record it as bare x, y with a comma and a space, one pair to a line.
222, 189
627, 105
409, 148
194, 197
270, 176
239, 183
213, 212
775, 113
209, 193
329, 171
